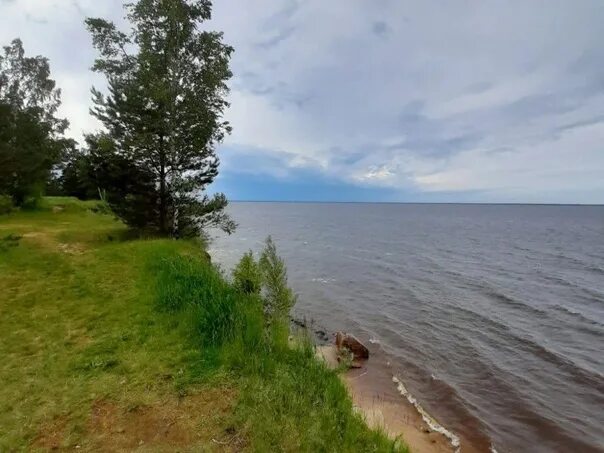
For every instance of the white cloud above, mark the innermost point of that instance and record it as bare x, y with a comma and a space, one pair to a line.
497, 98
570, 163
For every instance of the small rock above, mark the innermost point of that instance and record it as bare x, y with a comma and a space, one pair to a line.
322, 335
299, 322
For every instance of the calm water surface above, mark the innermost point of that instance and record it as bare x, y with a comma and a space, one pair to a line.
493, 315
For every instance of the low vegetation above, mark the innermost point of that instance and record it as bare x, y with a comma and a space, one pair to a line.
117, 343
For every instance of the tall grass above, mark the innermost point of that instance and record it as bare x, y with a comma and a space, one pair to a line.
289, 400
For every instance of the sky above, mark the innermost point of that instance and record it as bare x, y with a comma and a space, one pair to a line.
381, 100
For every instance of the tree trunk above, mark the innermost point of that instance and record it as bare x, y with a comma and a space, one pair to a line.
163, 208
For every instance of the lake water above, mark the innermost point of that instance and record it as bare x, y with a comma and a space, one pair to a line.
492, 315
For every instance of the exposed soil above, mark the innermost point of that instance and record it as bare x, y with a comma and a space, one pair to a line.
51, 434
190, 423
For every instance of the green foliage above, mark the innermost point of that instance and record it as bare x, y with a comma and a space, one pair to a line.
164, 115
289, 400
31, 136
8, 241
79, 324
214, 307
268, 279
75, 178
278, 297
6, 204
247, 276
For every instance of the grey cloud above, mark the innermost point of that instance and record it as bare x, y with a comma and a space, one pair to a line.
579, 124
279, 25
278, 38
283, 14
448, 97
380, 28
479, 87
78, 7
538, 104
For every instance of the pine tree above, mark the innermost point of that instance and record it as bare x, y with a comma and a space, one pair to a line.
164, 112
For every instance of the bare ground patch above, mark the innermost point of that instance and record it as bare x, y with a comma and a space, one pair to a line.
51, 434
175, 424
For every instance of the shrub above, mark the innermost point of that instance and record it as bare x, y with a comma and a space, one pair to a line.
217, 311
31, 203
6, 204
289, 401
278, 297
9, 241
247, 276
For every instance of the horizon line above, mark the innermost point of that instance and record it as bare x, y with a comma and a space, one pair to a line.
418, 202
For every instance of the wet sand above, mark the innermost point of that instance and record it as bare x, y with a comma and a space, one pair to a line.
375, 395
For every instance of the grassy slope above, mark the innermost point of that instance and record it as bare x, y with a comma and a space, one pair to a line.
95, 354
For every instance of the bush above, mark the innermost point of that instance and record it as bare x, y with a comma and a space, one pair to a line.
9, 241
247, 277
217, 311
278, 297
289, 401
267, 278
6, 204
31, 203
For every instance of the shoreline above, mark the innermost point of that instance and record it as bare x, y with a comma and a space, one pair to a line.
385, 403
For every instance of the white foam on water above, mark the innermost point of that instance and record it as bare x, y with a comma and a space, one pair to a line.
492, 449
323, 280
374, 341
428, 419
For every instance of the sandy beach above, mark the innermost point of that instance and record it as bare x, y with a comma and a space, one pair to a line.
376, 396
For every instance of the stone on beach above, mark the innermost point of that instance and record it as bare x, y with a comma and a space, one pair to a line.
352, 344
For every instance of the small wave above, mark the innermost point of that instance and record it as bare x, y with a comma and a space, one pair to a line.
574, 371
428, 419
561, 281
323, 280
576, 314
515, 303
374, 341
595, 269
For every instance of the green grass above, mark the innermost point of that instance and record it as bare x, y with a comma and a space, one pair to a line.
111, 342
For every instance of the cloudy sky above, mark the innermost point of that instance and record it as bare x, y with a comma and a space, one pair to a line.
383, 100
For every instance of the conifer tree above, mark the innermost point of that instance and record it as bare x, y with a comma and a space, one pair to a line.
164, 112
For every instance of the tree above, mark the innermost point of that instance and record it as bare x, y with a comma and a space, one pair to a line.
266, 278
164, 112
278, 297
31, 135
